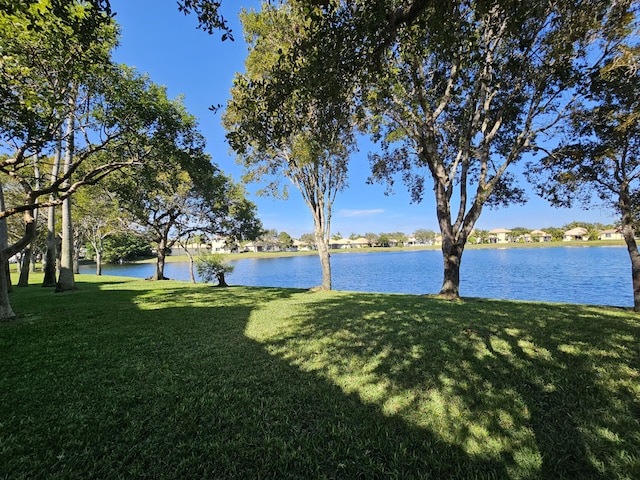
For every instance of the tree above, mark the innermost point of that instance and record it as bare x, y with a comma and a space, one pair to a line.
184, 243
97, 218
478, 236
467, 90
46, 49
30, 254
456, 92
372, 238
178, 191
518, 234
269, 236
599, 160
124, 246
424, 236
11, 229
112, 115
209, 18
300, 136
212, 267
50, 258
557, 234
398, 237
308, 239
285, 241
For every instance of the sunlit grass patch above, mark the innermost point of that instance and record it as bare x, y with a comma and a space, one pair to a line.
489, 377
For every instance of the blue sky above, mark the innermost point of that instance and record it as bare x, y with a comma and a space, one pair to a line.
164, 43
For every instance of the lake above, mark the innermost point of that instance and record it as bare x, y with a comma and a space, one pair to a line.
588, 275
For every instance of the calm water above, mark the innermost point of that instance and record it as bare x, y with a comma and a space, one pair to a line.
589, 275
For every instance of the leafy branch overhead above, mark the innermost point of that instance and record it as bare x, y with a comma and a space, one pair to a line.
209, 17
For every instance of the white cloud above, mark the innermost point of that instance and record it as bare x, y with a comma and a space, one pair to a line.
360, 213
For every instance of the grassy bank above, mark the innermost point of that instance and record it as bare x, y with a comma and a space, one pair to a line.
133, 379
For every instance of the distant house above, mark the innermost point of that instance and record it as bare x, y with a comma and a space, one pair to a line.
540, 236
341, 243
611, 234
261, 246
524, 238
299, 246
499, 235
412, 241
576, 234
191, 248
361, 242
254, 247
221, 245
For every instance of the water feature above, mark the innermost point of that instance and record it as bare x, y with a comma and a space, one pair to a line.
589, 275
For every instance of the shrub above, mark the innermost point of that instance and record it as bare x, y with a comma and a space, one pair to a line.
212, 266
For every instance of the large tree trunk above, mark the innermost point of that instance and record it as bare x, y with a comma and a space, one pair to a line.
629, 234
50, 265
5, 270
6, 312
25, 267
325, 261
160, 267
634, 256
77, 244
27, 259
452, 256
99, 257
451, 248
66, 280
161, 255
221, 280
49, 262
454, 234
322, 230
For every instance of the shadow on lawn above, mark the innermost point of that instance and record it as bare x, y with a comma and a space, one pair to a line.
174, 388
536, 391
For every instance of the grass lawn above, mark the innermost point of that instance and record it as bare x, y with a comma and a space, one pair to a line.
133, 379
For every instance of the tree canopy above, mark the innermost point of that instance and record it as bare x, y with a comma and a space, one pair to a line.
598, 157
178, 191
60, 92
454, 92
307, 139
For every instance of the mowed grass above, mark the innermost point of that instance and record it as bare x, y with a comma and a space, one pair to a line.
134, 379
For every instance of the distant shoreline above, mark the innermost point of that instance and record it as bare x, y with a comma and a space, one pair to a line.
239, 256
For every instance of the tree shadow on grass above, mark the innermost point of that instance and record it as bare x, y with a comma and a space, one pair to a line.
537, 391
166, 383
